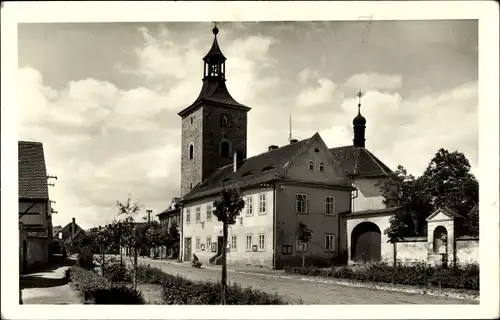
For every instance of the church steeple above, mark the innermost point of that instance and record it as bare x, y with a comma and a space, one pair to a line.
215, 62
359, 126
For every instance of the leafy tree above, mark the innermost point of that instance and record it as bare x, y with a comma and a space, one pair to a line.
447, 182
304, 235
103, 239
134, 234
395, 233
227, 209
174, 239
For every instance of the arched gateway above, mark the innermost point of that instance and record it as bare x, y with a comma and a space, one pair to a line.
366, 243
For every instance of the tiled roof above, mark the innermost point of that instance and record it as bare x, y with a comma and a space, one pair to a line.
169, 211
32, 171
359, 162
372, 211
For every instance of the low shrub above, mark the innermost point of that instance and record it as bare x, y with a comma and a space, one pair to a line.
150, 275
116, 272
178, 290
118, 295
458, 277
85, 258
97, 289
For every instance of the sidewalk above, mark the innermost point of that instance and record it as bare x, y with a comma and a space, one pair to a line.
48, 286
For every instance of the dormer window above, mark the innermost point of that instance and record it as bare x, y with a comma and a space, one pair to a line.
267, 168
191, 152
321, 167
246, 174
311, 166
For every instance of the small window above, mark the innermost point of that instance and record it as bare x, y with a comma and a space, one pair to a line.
316, 150
249, 203
311, 166
192, 120
249, 242
198, 214
262, 242
233, 243
191, 152
301, 247
209, 242
198, 243
262, 203
188, 215
301, 203
329, 243
321, 167
209, 212
190, 186
329, 205
224, 149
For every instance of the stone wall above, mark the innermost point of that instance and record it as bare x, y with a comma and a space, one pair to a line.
415, 250
467, 249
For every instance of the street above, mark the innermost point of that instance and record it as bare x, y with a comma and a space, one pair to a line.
309, 292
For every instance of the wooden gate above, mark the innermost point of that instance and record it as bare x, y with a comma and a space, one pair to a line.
366, 243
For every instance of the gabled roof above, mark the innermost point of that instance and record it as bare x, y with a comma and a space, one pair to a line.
32, 171
446, 211
359, 162
259, 169
214, 91
67, 228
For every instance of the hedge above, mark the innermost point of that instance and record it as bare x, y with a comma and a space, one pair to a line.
178, 290
99, 290
458, 277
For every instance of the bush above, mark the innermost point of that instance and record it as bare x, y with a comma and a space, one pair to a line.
458, 277
115, 272
85, 258
99, 290
178, 290
150, 275
118, 295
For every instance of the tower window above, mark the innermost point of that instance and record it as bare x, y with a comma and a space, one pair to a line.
191, 151
311, 166
224, 149
321, 167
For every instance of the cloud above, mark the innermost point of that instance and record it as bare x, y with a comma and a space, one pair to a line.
374, 81
322, 93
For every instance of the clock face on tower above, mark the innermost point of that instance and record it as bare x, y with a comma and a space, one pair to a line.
225, 120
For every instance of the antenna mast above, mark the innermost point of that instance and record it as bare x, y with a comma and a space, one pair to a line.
290, 128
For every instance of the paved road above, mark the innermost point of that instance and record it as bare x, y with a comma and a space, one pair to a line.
48, 286
309, 292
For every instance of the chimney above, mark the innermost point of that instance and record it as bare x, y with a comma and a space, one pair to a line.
149, 215
235, 161
293, 141
73, 227
272, 147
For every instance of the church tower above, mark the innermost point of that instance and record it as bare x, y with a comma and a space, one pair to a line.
359, 126
214, 126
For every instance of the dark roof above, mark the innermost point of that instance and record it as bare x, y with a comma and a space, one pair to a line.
67, 228
259, 169
372, 211
169, 211
359, 162
214, 91
214, 51
447, 211
32, 171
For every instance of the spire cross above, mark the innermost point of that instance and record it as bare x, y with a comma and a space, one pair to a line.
359, 95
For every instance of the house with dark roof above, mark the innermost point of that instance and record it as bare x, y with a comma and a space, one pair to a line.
35, 213
334, 191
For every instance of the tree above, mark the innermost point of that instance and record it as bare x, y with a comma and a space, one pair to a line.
103, 239
227, 209
134, 234
304, 235
395, 231
174, 239
447, 182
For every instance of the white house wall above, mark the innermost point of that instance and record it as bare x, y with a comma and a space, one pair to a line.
369, 196
256, 224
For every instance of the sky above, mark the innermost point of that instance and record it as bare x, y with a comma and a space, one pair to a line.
104, 97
